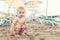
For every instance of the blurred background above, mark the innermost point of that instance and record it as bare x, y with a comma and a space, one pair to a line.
37, 10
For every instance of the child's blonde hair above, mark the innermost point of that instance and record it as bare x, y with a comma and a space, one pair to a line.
20, 8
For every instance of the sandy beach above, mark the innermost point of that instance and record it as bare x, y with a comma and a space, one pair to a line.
35, 32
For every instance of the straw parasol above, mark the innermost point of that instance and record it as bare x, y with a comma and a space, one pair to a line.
17, 3
33, 3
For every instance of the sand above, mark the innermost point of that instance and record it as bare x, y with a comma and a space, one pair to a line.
35, 32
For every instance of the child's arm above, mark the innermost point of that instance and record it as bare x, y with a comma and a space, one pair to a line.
14, 22
24, 25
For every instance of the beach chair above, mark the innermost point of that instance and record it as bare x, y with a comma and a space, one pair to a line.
57, 21
4, 21
53, 21
47, 20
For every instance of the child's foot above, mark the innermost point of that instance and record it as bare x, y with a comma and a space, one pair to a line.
17, 35
24, 34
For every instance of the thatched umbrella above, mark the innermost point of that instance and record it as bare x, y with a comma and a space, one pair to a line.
33, 3
17, 3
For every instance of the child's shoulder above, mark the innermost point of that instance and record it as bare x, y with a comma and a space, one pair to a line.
15, 18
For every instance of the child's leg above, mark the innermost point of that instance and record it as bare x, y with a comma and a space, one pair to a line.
24, 31
17, 31
13, 31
